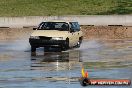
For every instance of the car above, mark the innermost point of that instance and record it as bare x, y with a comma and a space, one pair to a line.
56, 34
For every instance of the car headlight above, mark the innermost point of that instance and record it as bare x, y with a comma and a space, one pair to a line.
57, 38
34, 37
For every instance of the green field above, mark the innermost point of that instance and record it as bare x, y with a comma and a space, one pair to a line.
64, 7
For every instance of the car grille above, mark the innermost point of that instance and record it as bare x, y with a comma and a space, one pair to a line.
45, 38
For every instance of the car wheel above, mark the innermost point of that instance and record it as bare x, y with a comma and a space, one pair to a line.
79, 43
46, 49
66, 46
33, 49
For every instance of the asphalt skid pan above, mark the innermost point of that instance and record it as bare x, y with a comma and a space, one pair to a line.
103, 59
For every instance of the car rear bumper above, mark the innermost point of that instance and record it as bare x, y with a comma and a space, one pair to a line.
46, 43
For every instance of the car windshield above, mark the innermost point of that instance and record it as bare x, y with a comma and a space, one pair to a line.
61, 26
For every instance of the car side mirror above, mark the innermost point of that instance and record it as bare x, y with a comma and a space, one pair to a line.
34, 28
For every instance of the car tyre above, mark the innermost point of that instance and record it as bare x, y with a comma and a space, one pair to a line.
66, 46
33, 49
79, 43
46, 49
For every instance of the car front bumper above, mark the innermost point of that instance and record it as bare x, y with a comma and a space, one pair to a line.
46, 43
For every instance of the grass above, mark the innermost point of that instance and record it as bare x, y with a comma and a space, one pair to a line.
64, 7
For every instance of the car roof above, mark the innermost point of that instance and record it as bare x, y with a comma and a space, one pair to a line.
67, 21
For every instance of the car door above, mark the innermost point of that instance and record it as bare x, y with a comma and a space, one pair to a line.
75, 27
77, 32
71, 36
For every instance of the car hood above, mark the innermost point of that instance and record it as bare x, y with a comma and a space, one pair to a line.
50, 33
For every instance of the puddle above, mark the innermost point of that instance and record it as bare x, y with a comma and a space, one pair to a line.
102, 59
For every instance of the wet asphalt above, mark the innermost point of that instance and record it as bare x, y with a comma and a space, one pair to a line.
107, 59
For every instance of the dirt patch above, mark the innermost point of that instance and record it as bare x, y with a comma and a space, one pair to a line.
15, 34
107, 32
90, 32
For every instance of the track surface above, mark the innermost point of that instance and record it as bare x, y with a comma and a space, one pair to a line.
109, 58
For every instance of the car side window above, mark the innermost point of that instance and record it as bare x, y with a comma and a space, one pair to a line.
40, 25
75, 26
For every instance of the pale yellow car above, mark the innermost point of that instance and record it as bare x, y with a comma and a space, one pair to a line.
56, 34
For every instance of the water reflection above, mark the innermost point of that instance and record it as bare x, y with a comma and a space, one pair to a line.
109, 59
58, 66
56, 60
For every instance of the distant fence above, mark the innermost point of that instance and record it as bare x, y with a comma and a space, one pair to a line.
94, 20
